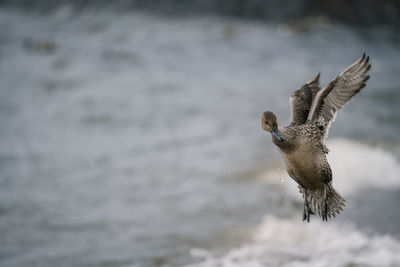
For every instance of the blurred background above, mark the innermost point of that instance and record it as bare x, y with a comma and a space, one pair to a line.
130, 133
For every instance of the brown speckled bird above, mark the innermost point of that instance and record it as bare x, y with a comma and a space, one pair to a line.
301, 143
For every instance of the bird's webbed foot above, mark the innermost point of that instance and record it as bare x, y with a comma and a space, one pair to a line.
307, 210
325, 207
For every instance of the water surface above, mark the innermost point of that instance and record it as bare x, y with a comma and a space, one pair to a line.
135, 140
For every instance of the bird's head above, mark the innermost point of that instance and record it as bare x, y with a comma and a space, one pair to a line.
270, 124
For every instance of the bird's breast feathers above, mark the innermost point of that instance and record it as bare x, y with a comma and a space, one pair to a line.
302, 165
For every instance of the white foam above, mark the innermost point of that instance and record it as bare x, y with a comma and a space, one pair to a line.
290, 242
354, 165
285, 242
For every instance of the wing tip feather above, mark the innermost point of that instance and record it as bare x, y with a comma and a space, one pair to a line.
361, 59
368, 68
314, 80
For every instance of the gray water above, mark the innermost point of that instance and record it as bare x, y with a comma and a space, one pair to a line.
135, 140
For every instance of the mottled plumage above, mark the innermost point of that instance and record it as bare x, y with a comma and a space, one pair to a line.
301, 143
328, 101
301, 100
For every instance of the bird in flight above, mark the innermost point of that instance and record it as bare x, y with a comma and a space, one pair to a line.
301, 143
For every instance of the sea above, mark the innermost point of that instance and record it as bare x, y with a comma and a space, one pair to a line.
134, 139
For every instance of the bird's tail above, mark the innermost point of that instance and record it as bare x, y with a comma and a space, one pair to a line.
315, 198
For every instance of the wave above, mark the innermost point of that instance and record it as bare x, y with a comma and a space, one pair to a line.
355, 166
290, 242
287, 242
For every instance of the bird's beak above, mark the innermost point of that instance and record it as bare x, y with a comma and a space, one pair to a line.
275, 133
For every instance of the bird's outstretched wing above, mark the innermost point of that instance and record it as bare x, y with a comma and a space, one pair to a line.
301, 99
313, 85
328, 101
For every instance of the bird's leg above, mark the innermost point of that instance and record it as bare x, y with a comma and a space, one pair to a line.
325, 207
307, 211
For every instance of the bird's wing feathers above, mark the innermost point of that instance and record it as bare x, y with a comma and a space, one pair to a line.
335, 96
313, 84
301, 99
